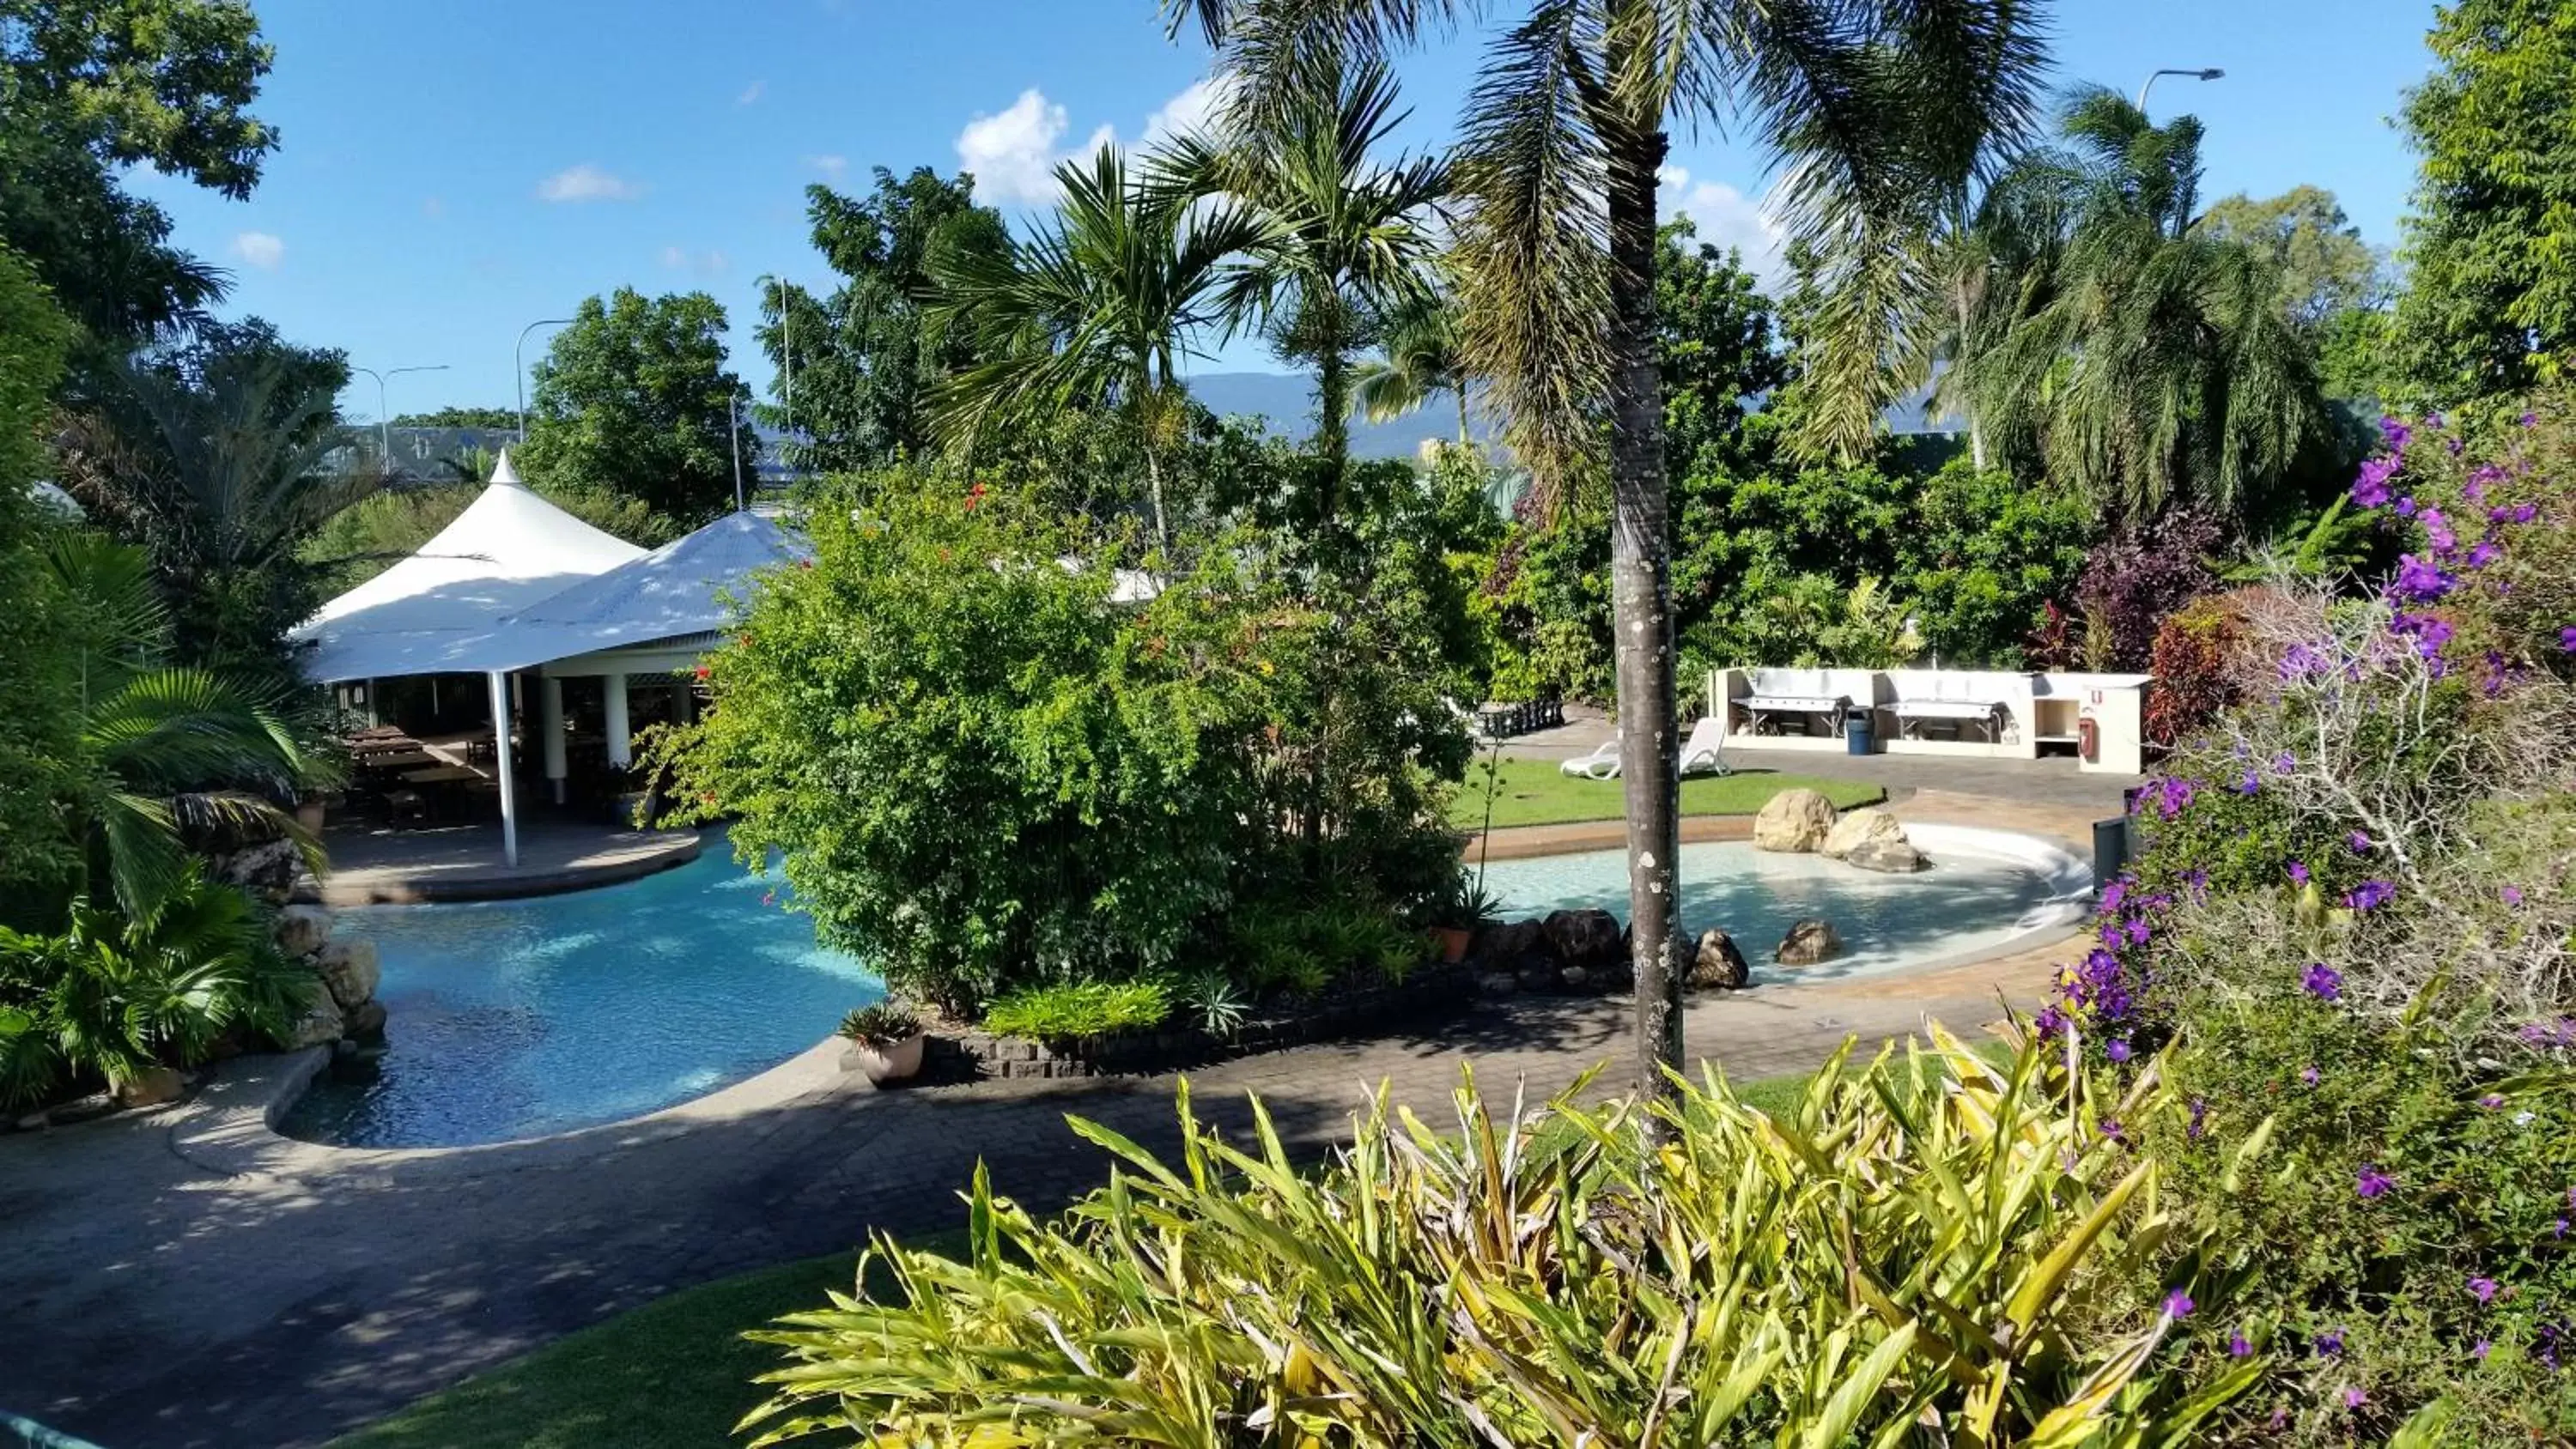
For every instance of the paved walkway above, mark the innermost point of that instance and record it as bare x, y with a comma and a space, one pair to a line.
148, 1303
375, 865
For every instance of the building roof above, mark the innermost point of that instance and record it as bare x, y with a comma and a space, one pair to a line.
426, 615
679, 590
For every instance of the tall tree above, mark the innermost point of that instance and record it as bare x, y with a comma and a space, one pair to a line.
89, 89
2151, 359
634, 400
2490, 301
1418, 356
1882, 113
865, 357
1345, 242
1095, 311
2326, 268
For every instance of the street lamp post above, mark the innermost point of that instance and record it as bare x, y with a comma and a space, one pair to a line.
519, 369
384, 415
2210, 73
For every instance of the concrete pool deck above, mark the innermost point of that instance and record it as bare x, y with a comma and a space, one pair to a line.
372, 865
283, 1298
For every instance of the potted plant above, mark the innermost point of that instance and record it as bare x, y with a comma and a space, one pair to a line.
1469, 909
885, 1042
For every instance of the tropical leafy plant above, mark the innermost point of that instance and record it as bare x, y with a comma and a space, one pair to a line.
879, 1024
1907, 1251
1213, 1001
117, 993
1070, 1011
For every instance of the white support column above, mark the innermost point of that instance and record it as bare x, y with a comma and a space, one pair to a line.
501, 764
550, 719
621, 741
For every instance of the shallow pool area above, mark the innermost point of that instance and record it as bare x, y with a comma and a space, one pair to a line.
1985, 890
513, 1019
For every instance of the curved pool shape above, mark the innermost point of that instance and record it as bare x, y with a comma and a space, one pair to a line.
1984, 889
511, 1019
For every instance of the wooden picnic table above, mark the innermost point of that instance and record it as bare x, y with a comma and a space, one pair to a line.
441, 775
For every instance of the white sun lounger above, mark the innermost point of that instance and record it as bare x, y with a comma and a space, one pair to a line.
1700, 753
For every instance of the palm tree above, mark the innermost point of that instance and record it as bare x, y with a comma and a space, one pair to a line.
1421, 358
1344, 241
175, 752
1882, 115
2143, 357
1096, 310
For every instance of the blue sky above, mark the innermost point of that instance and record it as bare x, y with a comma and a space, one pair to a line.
451, 173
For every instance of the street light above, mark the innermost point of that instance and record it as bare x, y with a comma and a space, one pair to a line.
2210, 74
519, 369
384, 415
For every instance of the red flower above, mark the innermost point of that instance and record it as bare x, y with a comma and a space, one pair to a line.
702, 669
804, 563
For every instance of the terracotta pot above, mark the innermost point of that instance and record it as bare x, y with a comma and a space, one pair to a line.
885, 1062
1452, 941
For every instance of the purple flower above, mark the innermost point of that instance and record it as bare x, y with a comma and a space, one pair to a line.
2330, 1343
2354, 1398
2396, 433
2484, 554
2199, 1119
2360, 842
2252, 784
2482, 1289
2139, 931
2117, 1050
2491, 1101
2531, 420
2567, 638
2308, 1074
2523, 512
2373, 1183
2284, 762
2178, 1304
2238, 1346
2370, 489
2421, 580
2437, 531
2510, 895
2323, 981
2298, 872
2478, 1350
2112, 1130
2114, 893
2406, 505
2370, 895
2050, 1021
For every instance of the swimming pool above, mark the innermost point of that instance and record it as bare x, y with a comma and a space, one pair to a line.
1984, 890
511, 1019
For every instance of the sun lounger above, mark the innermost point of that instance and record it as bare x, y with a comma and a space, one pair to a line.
1700, 753
1601, 764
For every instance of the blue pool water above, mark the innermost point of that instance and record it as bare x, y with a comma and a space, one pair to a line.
1962, 908
509, 1019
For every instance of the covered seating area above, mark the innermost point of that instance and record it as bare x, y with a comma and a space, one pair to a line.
572, 638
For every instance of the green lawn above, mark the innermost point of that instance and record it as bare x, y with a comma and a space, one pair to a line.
1536, 792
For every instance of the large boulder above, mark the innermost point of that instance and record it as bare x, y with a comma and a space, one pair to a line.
1794, 821
151, 1087
1503, 944
301, 930
350, 969
1859, 828
1809, 942
1718, 964
1895, 857
320, 1025
365, 1021
1585, 940
267, 870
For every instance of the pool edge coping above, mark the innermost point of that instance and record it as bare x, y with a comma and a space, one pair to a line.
230, 1128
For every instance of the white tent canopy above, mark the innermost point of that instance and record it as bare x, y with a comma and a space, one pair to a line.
429, 614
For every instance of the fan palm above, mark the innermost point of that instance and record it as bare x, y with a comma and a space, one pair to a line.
2138, 356
1882, 113
1421, 357
1095, 311
175, 751
1343, 242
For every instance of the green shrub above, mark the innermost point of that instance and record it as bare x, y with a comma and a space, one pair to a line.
1904, 1258
1074, 1010
112, 997
986, 771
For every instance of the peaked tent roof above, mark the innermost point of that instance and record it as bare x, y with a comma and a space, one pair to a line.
676, 591
507, 550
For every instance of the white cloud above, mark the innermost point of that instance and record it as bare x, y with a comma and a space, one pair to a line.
259, 249
1012, 153
1187, 112
751, 93
834, 167
1726, 218
586, 182
709, 263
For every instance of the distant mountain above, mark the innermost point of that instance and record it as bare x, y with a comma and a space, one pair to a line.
1286, 401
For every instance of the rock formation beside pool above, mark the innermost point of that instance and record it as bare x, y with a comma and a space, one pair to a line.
1873, 839
1718, 964
1793, 822
1809, 942
1569, 950
346, 974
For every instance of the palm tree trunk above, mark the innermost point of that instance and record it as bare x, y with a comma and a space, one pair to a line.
1333, 425
1461, 391
1976, 431
1642, 605
1154, 486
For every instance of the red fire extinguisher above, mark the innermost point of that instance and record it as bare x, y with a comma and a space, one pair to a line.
2088, 737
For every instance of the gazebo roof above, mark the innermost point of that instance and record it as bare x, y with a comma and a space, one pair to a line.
677, 591
431, 613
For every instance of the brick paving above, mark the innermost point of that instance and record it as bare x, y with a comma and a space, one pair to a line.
146, 1301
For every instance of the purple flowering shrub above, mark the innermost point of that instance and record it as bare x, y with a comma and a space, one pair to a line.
2345, 953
